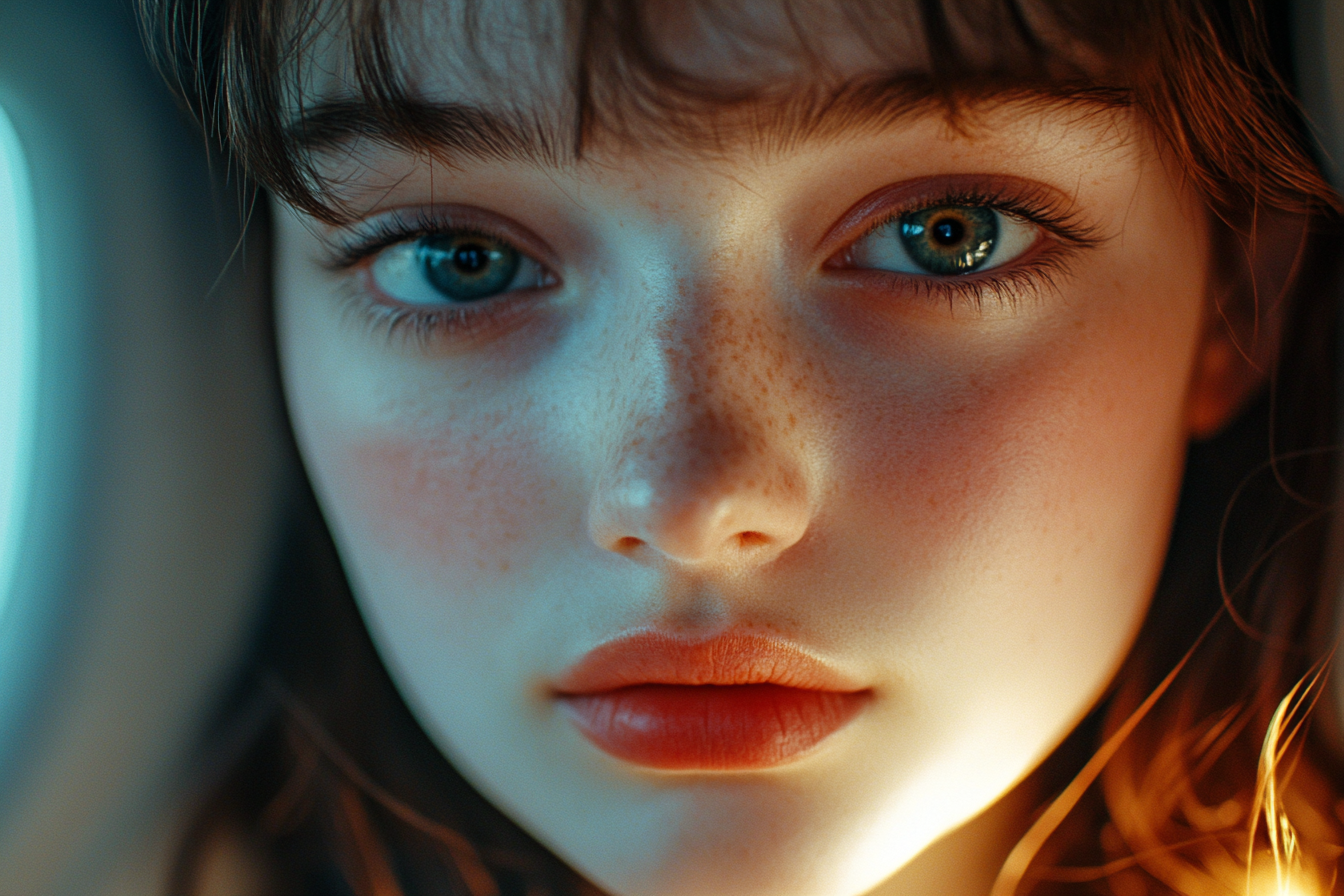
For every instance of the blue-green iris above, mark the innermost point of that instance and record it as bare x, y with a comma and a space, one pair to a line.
468, 267
950, 239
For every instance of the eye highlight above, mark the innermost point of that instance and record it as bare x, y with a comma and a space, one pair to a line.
945, 241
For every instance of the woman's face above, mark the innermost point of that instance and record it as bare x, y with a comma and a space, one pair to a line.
741, 523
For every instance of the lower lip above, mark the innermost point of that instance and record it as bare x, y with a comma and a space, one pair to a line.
709, 727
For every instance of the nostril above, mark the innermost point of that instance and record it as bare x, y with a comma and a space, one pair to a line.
752, 539
627, 544
694, 522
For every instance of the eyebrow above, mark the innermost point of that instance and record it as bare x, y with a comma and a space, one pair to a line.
454, 132
449, 130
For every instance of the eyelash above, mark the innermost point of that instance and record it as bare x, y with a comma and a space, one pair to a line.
1009, 285
421, 325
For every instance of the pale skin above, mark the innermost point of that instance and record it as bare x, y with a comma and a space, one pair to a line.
702, 415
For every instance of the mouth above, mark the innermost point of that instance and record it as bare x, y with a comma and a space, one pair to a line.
729, 703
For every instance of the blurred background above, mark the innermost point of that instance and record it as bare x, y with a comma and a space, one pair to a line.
142, 471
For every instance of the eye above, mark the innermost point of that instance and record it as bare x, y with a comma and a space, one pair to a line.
945, 240
454, 268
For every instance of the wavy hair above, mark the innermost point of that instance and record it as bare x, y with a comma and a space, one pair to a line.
1201, 774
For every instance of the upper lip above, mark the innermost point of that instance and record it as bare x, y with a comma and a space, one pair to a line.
731, 658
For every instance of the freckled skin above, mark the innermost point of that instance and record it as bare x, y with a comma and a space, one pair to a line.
702, 428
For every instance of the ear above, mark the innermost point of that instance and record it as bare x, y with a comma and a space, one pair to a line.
1251, 276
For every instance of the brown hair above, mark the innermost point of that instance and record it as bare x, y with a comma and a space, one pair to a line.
311, 780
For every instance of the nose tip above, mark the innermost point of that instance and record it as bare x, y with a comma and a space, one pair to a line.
738, 519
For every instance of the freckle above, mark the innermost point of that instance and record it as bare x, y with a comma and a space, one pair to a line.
503, 565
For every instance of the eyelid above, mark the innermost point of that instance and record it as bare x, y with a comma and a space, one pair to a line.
358, 242
1032, 201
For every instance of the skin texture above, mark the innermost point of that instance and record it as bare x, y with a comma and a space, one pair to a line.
704, 422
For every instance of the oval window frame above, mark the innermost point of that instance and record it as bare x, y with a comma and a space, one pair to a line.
18, 349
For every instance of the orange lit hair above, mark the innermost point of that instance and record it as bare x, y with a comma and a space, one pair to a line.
321, 755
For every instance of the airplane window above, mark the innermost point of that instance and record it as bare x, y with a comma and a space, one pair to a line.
18, 347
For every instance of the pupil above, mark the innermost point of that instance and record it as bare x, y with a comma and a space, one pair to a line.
948, 232
471, 258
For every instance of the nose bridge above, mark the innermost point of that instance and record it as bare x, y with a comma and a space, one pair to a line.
718, 405
707, 461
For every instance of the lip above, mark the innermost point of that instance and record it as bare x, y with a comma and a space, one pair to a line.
736, 701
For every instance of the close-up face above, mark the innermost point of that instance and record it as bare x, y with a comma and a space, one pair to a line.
743, 522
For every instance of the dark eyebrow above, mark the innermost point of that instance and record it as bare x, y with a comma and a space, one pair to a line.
450, 130
461, 131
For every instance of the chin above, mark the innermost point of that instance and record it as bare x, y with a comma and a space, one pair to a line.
772, 859
811, 831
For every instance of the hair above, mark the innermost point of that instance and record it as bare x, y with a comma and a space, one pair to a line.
1200, 759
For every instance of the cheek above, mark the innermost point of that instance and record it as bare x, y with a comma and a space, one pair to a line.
422, 488
459, 503
1059, 446
1021, 497
447, 534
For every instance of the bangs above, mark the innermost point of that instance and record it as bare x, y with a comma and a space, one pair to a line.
280, 81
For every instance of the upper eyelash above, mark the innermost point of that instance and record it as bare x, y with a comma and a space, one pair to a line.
1039, 206
1008, 286
377, 235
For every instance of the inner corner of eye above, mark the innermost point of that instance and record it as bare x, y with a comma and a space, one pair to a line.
843, 258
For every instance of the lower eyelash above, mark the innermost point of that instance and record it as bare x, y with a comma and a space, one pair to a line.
418, 326
1012, 288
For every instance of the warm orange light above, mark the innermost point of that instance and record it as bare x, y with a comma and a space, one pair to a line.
1267, 882
1281, 870
1274, 841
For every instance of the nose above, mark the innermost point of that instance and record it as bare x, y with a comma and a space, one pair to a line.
707, 465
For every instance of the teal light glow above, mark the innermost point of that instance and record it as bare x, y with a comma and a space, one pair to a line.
18, 349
